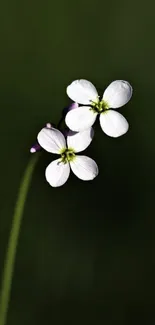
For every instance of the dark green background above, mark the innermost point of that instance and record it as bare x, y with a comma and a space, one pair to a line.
86, 252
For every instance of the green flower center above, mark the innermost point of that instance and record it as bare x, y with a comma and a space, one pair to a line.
67, 155
99, 106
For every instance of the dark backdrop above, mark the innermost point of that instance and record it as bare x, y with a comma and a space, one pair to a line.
87, 250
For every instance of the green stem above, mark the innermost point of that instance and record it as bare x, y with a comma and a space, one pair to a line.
13, 240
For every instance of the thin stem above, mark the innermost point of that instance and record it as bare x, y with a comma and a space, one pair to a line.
13, 240
60, 122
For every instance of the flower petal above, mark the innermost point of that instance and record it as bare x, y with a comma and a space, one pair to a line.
82, 91
84, 168
113, 123
81, 140
52, 140
80, 119
118, 93
57, 173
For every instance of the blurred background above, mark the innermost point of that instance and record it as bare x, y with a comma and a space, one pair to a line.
86, 252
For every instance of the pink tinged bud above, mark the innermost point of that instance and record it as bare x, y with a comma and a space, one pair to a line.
49, 125
35, 148
65, 132
72, 106
69, 108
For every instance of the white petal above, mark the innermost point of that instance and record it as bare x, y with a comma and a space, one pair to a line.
80, 119
57, 173
82, 91
81, 140
84, 168
113, 123
52, 140
118, 93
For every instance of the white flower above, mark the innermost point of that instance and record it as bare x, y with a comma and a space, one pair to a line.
117, 94
57, 172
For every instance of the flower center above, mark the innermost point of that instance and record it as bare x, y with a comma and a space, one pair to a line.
67, 155
99, 106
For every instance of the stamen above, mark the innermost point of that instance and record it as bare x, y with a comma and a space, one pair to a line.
67, 155
99, 106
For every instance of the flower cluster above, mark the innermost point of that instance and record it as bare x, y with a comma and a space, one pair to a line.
79, 118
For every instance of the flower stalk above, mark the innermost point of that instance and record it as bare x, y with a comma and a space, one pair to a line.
13, 241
